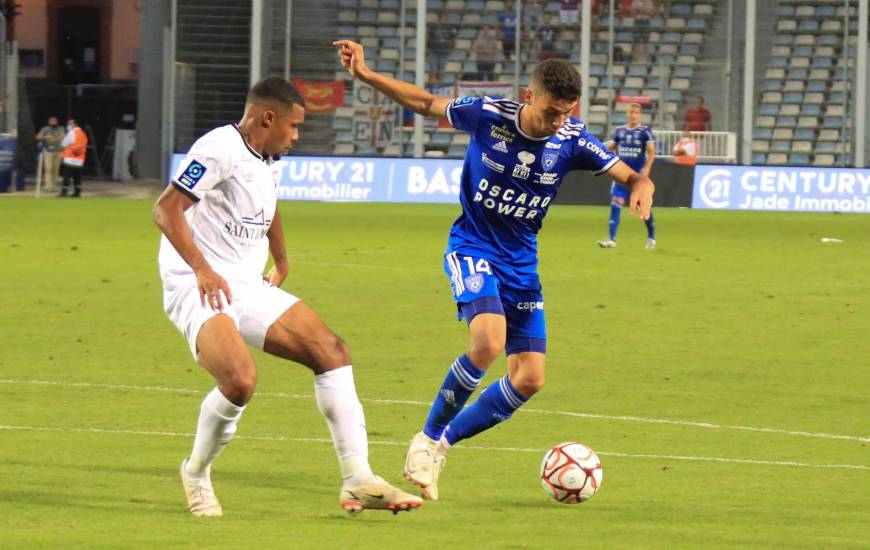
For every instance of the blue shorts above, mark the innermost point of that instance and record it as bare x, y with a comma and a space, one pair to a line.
619, 191
478, 289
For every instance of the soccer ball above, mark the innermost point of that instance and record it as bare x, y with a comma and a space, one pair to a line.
571, 473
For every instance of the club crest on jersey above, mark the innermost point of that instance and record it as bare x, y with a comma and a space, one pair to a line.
474, 282
549, 158
192, 174
522, 170
501, 147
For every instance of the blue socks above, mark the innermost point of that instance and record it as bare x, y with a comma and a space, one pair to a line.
461, 381
651, 226
615, 212
496, 404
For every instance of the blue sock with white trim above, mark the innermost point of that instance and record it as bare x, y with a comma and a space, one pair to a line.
461, 381
651, 226
496, 404
615, 213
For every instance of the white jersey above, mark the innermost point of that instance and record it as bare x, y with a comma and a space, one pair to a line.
235, 193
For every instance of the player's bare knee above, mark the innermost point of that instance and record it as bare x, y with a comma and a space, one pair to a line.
530, 384
331, 352
240, 386
485, 350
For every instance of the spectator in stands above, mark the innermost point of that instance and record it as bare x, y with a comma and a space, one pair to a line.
618, 55
440, 37
642, 11
486, 49
686, 150
508, 22
75, 146
49, 138
569, 12
698, 117
548, 33
533, 15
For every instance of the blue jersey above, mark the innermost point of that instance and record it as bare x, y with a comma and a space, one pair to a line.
509, 179
631, 145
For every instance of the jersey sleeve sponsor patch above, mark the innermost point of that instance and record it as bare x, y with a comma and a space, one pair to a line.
192, 174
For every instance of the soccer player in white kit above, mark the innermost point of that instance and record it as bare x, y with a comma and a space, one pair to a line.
220, 223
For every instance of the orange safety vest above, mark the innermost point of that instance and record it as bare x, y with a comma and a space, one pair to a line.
691, 152
74, 153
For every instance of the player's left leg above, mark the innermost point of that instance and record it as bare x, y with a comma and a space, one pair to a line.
283, 326
650, 231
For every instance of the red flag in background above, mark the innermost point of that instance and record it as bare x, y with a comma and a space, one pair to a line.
321, 96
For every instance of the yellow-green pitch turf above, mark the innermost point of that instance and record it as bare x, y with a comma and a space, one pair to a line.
723, 378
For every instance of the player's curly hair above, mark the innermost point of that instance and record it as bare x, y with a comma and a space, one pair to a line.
276, 89
558, 78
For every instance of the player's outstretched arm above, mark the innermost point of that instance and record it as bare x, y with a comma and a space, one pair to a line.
168, 214
642, 188
417, 99
278, 272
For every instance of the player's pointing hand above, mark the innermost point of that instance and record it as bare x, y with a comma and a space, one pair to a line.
352, 56
641, 198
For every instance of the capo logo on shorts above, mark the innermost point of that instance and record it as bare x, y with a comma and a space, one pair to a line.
192, 174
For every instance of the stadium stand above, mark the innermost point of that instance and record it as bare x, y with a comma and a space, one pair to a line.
664, 74
799, 117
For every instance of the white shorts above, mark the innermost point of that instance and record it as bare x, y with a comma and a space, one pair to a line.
256, 305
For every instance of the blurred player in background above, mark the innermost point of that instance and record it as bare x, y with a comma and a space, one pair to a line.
636, 146
516, 161
220, 222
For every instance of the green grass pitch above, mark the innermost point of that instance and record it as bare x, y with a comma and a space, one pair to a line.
722, 378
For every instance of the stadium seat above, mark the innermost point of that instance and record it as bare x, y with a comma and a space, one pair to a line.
802, 147
759, 158
810, 122
760, 146
805, 134
823, 160
799, 158
777, 158
783, 134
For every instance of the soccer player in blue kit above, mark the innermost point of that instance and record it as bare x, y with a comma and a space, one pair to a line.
636, 147
516, 160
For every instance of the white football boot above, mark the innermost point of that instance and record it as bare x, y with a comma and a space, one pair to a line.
377, 494
607, 243
201, 500
650, 244
423, 463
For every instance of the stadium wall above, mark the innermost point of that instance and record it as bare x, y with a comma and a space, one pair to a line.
673, 186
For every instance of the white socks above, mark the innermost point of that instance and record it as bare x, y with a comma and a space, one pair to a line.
337, 400
216, 426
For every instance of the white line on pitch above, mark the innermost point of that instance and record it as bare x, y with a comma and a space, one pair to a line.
636, 419
470, 447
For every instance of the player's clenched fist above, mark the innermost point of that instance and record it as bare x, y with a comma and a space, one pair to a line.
352, 56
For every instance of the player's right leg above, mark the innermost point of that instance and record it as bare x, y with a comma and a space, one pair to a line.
223, 352
618, 197
215, 342
475, 290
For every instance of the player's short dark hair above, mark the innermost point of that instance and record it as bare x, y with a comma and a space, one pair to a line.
276, 89
558, 78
